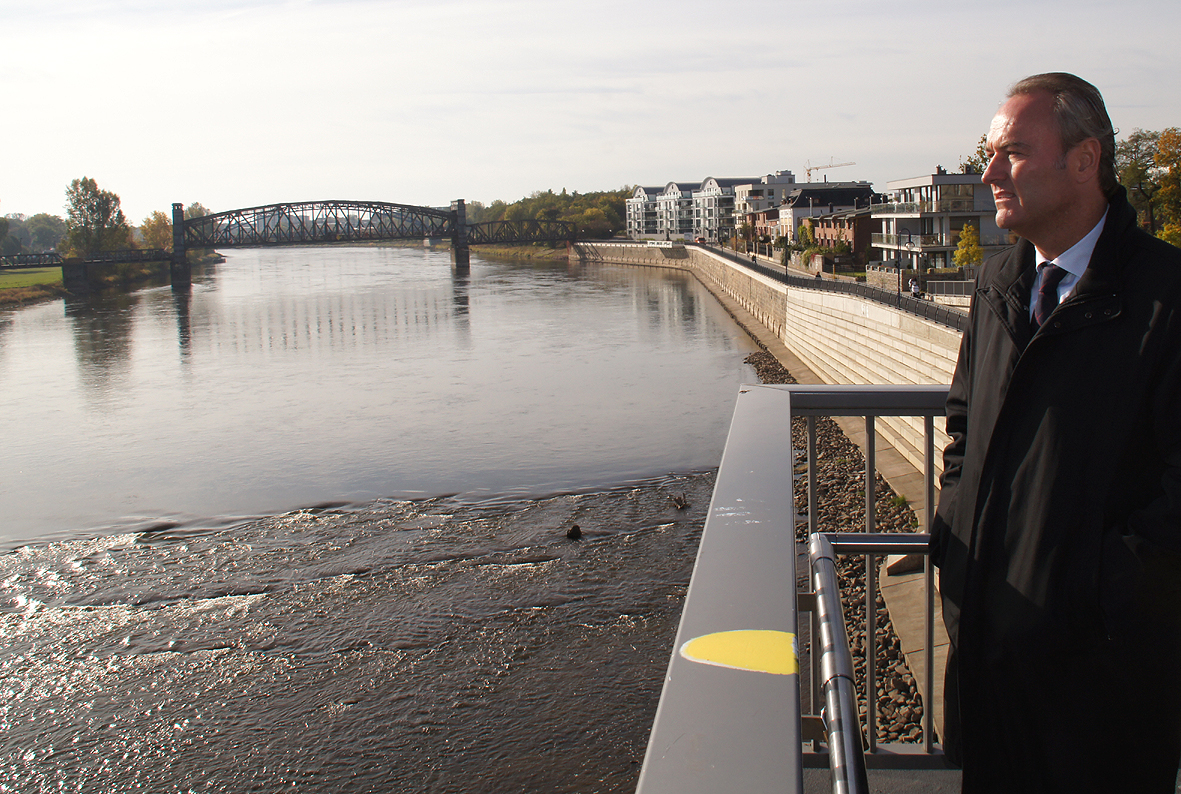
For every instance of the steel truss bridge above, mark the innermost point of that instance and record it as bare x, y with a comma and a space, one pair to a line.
53, 259
358, 221
307, 223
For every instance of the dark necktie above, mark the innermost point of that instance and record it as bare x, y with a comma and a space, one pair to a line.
1047, 293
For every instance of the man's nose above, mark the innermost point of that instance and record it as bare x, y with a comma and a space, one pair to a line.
994, 171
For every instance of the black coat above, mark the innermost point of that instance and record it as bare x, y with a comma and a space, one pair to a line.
1058, 533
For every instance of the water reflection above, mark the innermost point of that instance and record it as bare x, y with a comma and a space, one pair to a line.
102, 326
287, 377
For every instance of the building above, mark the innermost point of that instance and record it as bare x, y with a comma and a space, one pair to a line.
713, 208
920, 225
641, 212
821, 198
854, 227
768, 191
674, 210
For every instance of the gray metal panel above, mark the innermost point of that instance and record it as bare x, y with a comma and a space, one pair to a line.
719, 728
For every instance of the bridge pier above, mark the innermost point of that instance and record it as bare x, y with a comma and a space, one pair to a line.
179, 269
460, 253
76, 277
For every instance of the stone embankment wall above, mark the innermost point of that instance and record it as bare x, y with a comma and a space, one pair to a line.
841, 338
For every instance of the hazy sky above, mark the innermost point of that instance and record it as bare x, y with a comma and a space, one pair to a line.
237, 103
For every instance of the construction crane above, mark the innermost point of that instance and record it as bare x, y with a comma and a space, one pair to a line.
809, 168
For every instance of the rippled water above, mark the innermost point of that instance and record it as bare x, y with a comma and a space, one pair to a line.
428, 627
296, 376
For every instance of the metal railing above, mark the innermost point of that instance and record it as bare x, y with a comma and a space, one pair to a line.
915, 207
943, 315
736, 725
962, 288
832, 679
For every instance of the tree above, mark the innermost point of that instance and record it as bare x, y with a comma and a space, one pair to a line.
195, 210
1135, 165
1168, 162
95, 221
804, 236
157, 231
978, 161
9, 244
45, 231
968, 253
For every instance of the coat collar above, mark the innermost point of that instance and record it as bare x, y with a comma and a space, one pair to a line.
1010, 290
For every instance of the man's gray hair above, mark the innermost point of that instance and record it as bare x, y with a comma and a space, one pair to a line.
1081, 114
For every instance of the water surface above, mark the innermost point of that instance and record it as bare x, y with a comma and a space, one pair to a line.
305, 527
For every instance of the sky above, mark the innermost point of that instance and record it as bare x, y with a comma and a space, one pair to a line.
241, 103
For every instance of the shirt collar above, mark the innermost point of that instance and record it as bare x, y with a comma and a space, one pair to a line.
1074, 260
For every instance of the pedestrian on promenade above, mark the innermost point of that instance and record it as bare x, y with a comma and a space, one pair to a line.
1058, 532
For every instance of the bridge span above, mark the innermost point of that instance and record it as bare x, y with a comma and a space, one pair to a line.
312, 222
307, 223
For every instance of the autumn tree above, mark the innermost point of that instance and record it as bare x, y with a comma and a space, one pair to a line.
1168, 163
977, 161
94, 221
968, 253
157, 231
1135, 165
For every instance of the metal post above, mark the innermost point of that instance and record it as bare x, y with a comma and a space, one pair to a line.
871, 632
813, 524
929, 582
870, 473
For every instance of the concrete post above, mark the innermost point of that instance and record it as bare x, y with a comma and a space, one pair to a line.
460, 253
181, 272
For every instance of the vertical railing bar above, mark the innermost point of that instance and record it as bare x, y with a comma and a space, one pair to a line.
871, 653
813, 527
929, 582
871, 635
870, 472
813, 523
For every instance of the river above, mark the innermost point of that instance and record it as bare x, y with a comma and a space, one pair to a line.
304, 526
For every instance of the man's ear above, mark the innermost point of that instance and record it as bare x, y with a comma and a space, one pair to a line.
1084, 159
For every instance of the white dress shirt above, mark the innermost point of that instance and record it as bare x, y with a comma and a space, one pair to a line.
1073, 260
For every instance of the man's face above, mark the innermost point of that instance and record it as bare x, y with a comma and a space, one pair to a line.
1026, 167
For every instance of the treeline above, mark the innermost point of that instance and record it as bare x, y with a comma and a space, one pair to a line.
20, 234
94, 222
1149, 166
595, 215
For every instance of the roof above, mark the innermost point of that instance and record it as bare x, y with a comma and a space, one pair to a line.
842, 195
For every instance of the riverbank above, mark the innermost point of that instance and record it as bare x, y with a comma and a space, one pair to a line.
24, 287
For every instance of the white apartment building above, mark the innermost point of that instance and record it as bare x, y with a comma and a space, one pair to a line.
641, 212
706, 209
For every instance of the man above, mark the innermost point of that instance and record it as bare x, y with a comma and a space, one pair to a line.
1058, 533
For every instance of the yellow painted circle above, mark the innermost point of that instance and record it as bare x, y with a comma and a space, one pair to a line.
756, 650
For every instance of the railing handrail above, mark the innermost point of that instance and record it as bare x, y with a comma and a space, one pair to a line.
810, 401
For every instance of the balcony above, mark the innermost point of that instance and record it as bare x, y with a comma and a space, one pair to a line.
919, 242
927, 207
747, 705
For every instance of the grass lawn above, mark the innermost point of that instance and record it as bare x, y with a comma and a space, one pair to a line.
23, 286
29, 278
